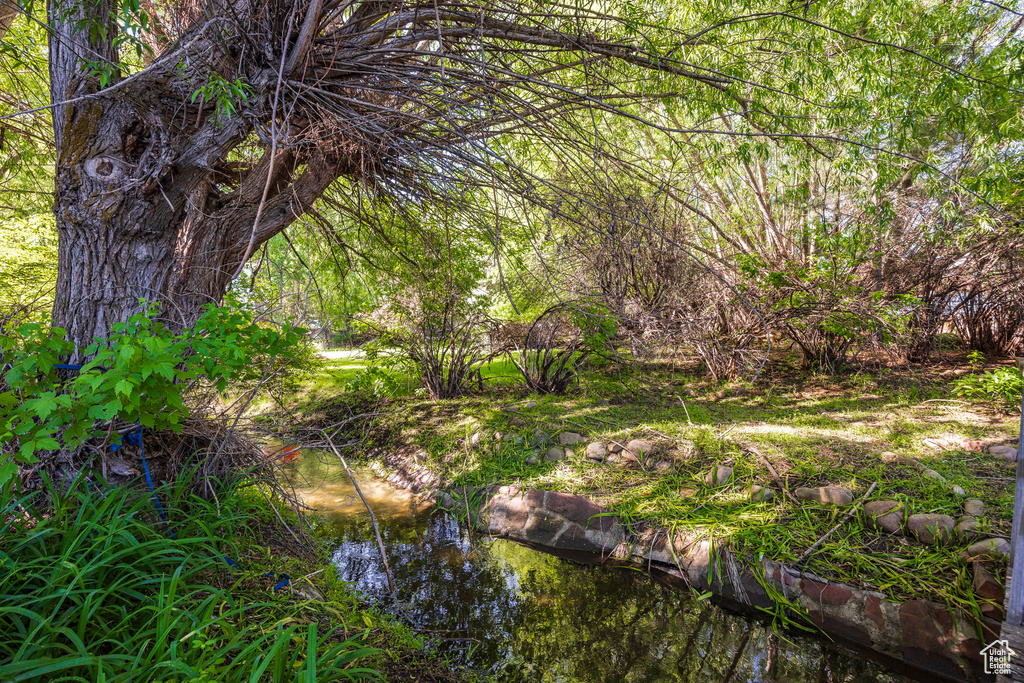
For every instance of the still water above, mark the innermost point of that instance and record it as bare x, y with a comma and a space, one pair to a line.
522, 615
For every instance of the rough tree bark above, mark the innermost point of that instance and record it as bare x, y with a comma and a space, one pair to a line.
8, 13
133, 223
146, 205
160, 197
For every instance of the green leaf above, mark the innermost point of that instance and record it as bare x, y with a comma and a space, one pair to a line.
47, 443
7, 471
123, 387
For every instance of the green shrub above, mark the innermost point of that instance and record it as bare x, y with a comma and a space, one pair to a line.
374, 380
1003, 386
139, 373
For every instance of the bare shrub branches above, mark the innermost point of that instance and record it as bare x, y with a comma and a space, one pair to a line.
549, 354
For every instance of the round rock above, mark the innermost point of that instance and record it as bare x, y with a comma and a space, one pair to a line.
1004, 452
974, 507
884, 515
597, 451
553, 454
614, 447
719, 476
990, 547
760, 494
569, 438
931, 529
828, 495
966, 529
639, 448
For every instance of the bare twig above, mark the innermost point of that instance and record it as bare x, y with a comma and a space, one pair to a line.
688, 421
846, 517
277, 514
775, 475
373, 518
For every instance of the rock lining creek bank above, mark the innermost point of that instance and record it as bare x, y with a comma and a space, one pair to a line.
923, 639
484, 597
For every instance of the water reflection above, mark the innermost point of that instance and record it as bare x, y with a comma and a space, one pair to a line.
523, 615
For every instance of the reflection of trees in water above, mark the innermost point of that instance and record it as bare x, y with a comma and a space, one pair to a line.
609, 626
444, 583
538, 618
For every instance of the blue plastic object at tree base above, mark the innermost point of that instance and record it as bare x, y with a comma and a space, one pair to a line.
134, 438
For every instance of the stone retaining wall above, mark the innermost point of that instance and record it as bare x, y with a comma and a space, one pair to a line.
923, 635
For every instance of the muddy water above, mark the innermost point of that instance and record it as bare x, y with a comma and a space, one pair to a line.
522, 615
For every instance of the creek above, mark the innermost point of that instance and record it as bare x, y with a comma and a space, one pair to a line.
519, 614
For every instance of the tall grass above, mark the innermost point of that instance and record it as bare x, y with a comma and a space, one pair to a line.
92, 590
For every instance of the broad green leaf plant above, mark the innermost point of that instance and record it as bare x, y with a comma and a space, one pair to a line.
141, 372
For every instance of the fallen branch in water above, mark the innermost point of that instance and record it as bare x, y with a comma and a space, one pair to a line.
373, 519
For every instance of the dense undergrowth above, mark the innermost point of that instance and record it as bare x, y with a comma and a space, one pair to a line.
92, 588
878, 425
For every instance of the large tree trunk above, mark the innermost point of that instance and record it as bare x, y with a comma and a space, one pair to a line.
147, 208
123, 239
128, 231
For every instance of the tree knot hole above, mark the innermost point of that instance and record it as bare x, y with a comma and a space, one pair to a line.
102, 168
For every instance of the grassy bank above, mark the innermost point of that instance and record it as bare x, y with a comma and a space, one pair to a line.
883, 426
93, 588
